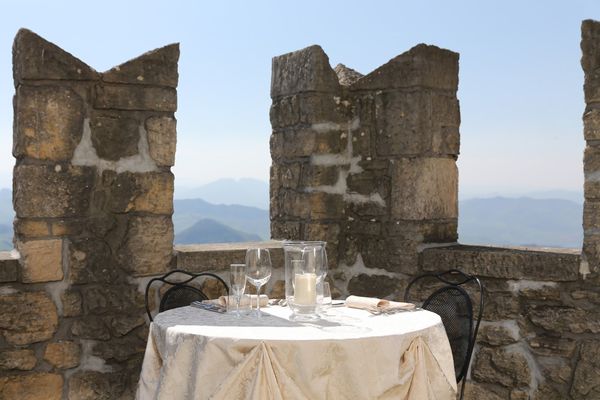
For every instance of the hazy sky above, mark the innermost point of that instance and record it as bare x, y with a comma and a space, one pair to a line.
520, 88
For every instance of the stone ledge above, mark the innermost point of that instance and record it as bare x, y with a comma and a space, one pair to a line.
8, 267
543, 264
218, 256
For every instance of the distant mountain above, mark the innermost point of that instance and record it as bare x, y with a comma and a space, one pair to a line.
245, 191
6, 235
521, 221
6, 208
210, 231
242, 218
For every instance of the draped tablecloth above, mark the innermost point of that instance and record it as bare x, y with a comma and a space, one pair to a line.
349, 354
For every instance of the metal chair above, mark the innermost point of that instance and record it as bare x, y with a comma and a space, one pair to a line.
455, 307
181, 294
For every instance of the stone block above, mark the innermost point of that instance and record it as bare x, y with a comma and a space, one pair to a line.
48, 192
162, 139
319, 175
416, 124
32, 386
370, 182
374, 285
129, 97
324, 205
114, 135
48, 122
27, 317
424, 188
509, 369
63, 354
421, 66
590, 60
496, 262
586, 380
150, 192
285, 175
478, 391
305, 142
148, 246
445, 231
558, 320
31, 228
308, 109
496, 335
591, 215
156, 67
305, 70
121, 299
92, 385
549, 346
41, 260
591, 190
90, 328
23, 360
71, 303
121, 349
278, 290
282, 230
90, 261
34, 58
591, 163
290, 204
8, 267
543, 293
591, 124
391, 254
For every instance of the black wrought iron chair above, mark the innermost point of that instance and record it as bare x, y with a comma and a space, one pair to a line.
455, 307
181, 293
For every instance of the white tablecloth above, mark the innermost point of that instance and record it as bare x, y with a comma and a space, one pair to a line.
351, 354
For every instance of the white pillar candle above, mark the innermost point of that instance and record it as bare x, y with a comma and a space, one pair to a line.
305, 289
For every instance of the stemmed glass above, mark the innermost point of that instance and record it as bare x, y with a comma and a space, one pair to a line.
237, 283
258, 271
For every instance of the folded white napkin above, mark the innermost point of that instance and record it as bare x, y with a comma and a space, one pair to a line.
375, 304
245, 301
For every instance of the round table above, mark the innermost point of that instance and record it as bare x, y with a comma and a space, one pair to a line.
348, 354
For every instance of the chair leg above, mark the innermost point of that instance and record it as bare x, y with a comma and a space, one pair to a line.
462, 388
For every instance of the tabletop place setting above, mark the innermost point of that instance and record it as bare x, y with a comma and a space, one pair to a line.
305, 345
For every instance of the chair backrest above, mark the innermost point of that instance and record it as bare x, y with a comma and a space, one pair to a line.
455, 307
181, 293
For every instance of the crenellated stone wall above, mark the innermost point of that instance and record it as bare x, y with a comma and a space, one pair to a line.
367, 163
93, 195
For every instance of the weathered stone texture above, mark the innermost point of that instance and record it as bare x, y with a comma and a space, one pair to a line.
162, 139
71, 303
48, 122
51, 192
156, 67
305, 70
33, 386
17, 359
34, 58
504, 263
509, 369
373, 285
425, 188
586, 381
27, 317
114, 135
41, 260
132, 98
8, 267
63, 355
148, 246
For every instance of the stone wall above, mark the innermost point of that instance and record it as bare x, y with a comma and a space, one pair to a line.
93, 199
367, 163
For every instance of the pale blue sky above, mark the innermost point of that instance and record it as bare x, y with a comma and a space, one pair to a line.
520, 79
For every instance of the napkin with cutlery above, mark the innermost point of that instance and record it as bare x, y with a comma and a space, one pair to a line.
375, 304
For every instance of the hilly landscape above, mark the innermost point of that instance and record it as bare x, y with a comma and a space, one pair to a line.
501, 221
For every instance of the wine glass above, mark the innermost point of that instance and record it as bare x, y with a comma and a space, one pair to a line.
258, 271
237, 284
